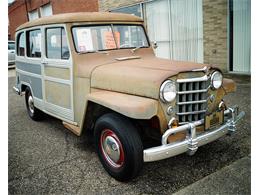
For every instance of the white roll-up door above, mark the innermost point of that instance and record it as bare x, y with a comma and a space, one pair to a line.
177, 27
157, 20
241, 35
187, 30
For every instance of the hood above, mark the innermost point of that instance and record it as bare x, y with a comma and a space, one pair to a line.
142, 77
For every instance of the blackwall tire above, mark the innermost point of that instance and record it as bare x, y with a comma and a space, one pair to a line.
119, 146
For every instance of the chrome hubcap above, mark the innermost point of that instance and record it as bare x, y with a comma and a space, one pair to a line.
30, 104
111, 148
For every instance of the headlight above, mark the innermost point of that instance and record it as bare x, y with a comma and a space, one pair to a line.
168, 91
216, 80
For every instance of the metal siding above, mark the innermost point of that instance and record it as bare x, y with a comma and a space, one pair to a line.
28, 67
35, 83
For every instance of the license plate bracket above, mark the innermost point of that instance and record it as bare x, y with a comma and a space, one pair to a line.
214, 119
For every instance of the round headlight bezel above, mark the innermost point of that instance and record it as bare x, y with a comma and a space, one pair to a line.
214, 85
162, 91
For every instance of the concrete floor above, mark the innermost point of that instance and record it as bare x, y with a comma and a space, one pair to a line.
45, 158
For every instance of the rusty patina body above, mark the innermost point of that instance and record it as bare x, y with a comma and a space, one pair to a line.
129, 87
125, 84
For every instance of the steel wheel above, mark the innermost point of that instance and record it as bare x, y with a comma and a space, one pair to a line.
33, 112
111, 148
30, 104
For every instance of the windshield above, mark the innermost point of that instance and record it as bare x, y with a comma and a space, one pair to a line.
100, 38
11, 46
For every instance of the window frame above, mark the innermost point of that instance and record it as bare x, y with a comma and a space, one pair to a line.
140, 4
45, 42
17, 43
91, 25
42, 9
111, 25
31, 13
27, 34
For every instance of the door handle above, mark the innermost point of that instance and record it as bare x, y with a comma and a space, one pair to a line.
45, 63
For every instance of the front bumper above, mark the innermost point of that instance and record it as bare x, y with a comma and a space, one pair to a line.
192, 141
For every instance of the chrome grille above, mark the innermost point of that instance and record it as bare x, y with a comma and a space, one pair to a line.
192, 98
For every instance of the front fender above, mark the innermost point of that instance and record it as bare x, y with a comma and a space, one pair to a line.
229, 85
129, 105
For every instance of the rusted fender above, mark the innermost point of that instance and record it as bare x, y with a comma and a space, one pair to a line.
229, 85
129, 105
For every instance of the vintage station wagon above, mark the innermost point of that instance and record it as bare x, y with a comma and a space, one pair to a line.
97, 72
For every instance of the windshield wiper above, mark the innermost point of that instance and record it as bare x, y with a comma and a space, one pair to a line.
94, 51
135, 49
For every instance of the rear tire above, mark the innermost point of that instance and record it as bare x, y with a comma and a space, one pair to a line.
34, 113
119, 146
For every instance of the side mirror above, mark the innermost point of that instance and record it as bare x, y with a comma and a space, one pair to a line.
154, 44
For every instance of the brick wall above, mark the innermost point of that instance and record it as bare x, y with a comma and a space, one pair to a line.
66, 6
215, 32
34, 4
18, 15
105, 5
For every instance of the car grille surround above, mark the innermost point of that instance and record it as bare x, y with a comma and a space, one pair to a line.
192, 97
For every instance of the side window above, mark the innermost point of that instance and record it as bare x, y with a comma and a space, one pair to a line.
20, 45
33, 39
56, 44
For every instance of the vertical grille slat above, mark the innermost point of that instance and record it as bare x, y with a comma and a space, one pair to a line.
192, 104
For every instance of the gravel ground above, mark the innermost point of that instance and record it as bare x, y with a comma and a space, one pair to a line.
45, 158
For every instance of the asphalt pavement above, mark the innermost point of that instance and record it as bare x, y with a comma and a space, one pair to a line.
238, 181
46, 158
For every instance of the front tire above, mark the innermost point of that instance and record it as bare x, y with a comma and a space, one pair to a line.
33, 112
119, 146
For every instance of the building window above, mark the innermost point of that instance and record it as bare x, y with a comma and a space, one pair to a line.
57, 46
33, 15
46, 10
20, 45
135, 10
33, 38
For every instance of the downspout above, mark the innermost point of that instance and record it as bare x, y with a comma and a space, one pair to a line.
25, 1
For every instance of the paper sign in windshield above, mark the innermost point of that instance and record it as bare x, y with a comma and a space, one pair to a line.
109, 39
84, 39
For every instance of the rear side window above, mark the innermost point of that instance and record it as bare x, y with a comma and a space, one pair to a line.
20, 45
56, 44
34, 43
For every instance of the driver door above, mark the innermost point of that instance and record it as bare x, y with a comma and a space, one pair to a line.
57, 74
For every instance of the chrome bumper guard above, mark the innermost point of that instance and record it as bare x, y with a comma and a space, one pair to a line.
16, 90
192, 141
